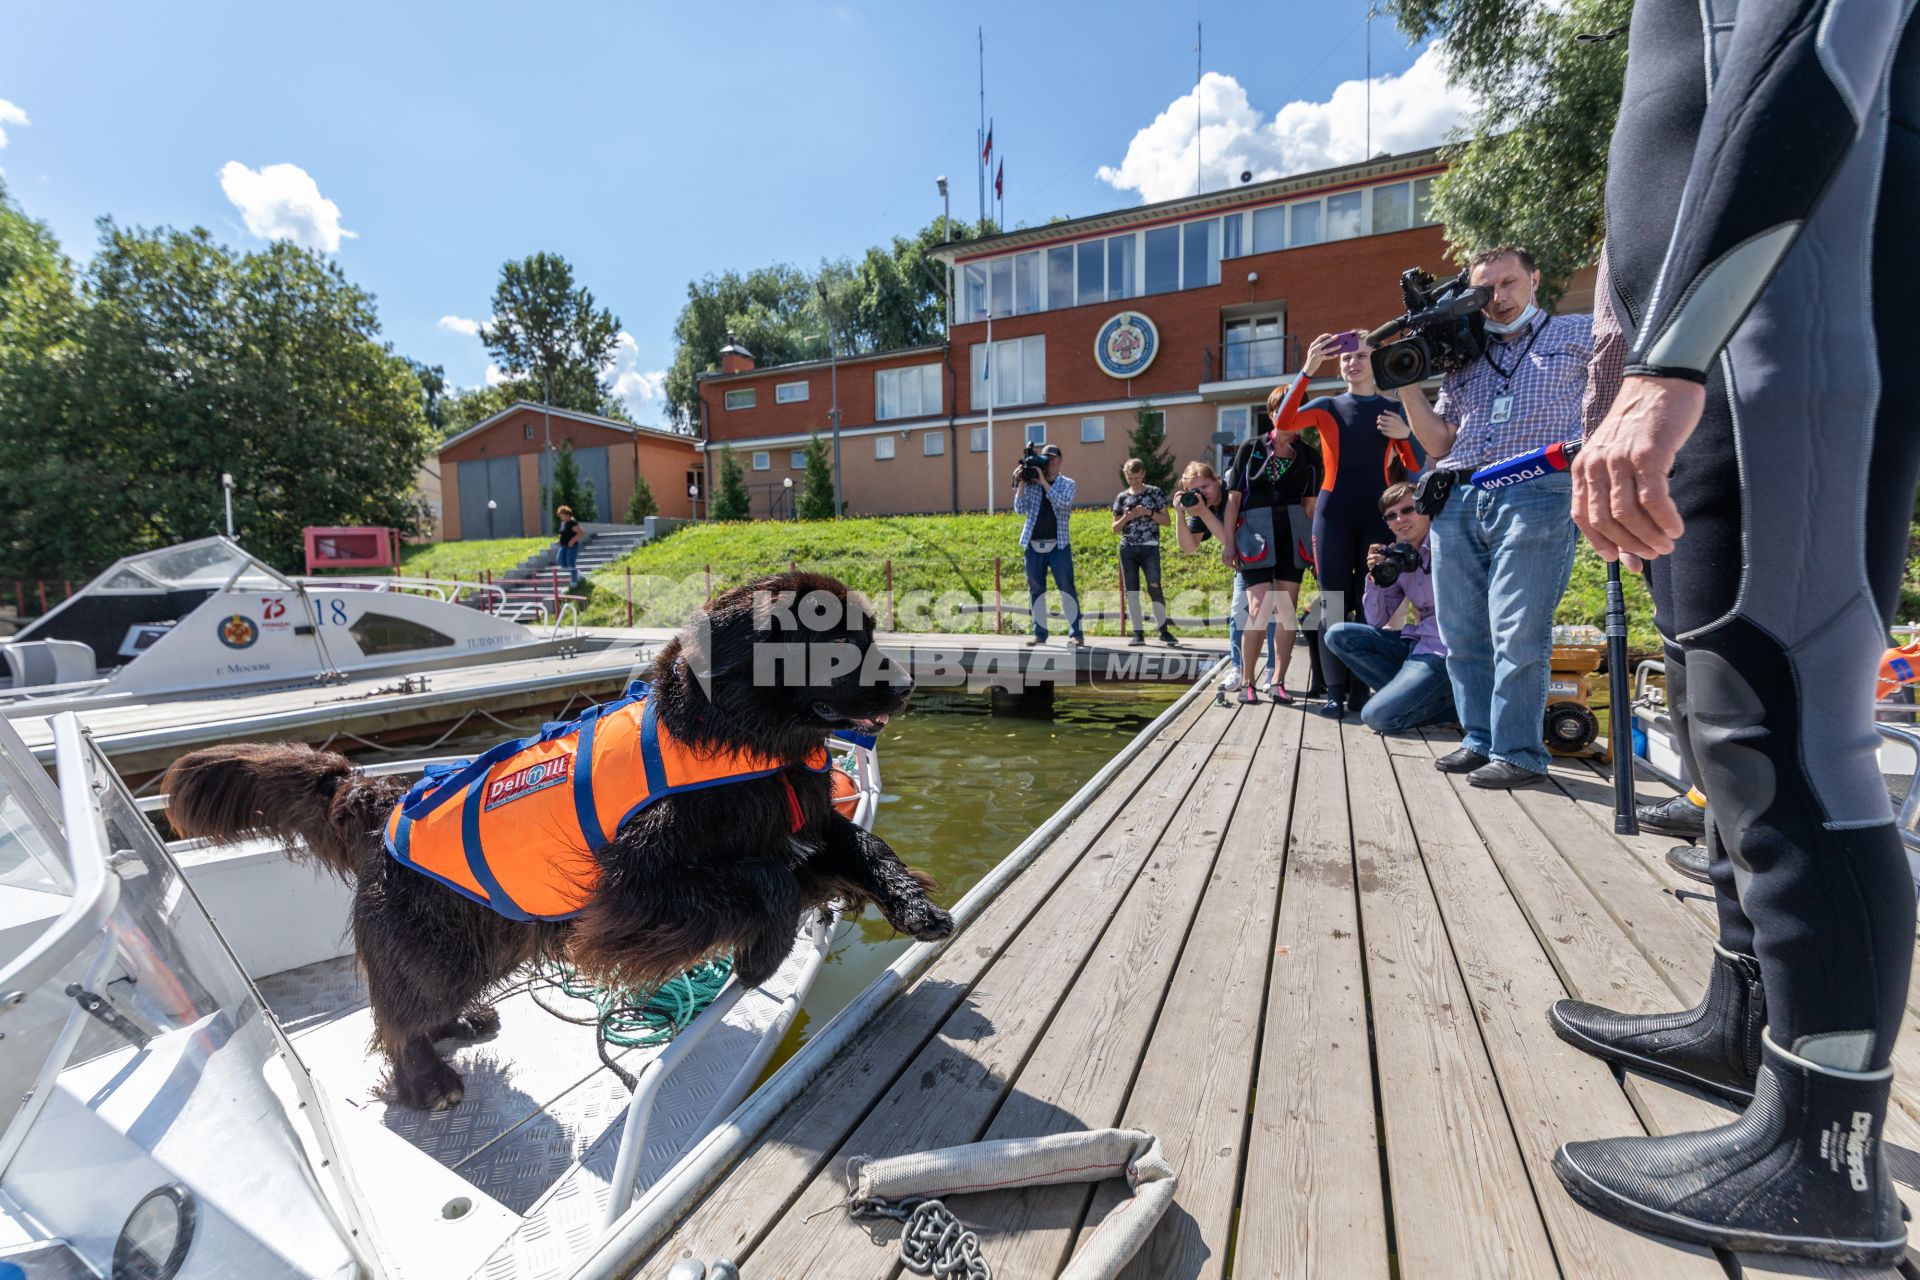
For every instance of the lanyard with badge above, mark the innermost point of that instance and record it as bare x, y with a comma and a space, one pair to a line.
1503, 403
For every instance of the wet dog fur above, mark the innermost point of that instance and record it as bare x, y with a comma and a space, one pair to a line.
692, 875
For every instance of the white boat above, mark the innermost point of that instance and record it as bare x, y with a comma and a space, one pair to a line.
187, 1034
208, 618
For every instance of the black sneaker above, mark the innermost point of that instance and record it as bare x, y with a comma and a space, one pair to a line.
1803, 1172
1713, 1046
1460, 760
1678, 817
1138, 639
1333, 708
1169, 639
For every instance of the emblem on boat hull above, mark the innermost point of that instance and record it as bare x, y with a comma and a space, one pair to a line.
236, 631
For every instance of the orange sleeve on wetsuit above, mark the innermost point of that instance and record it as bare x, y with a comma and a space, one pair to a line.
1329, 428
1409, 464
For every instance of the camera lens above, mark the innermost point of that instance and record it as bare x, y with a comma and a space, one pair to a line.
1400, 364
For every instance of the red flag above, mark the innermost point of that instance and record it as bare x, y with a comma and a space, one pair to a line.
986, 155
999, 182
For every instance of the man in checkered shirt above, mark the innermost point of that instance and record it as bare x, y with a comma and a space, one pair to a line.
1501, 560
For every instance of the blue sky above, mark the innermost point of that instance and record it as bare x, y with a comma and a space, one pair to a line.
651, 144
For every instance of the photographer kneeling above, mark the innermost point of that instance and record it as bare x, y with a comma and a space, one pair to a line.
1408, 667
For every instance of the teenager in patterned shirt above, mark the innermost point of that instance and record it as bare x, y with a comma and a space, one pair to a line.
1139, 513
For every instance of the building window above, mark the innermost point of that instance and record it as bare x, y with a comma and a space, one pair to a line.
1093, 271
1121, 280
741, 399
529, 431
906, 393
1156, 420
973, 292
1269, 229
932, 444
1026, 283
1306, 225
1036, 433
790, 393
1059, 277
882, 447
693, 484
1201, 265
1163, 260
1255, 347
1343, 216
1422, 201
1019, 369
1093, 430
797, 460
977, 440
762, 460
1392, 208
1237, 420
1000, 286
1230, 232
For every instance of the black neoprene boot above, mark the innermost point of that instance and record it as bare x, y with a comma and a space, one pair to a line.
1800, 1173
1713, 1046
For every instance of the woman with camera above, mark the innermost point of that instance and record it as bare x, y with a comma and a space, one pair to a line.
1202, 498
1262, 516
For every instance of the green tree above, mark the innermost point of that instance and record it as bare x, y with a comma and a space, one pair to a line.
641, 504
1534, 170
816, 491
570, 489
549, 331
1148, 442
179, 361
730, 502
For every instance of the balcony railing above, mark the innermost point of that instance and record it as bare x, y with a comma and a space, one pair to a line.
1254, 358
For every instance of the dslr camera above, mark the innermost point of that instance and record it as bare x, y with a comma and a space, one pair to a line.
1032, 467
1442, 331
1394, 560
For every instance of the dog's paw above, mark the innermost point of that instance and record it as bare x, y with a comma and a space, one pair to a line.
477, 1022
434, 1088
924, 921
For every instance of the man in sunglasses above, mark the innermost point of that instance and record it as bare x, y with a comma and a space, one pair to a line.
1408, 667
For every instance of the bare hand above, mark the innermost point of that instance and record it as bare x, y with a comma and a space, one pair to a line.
1620, 495
1393, 426
1373, 554
1227, 557
1318, 352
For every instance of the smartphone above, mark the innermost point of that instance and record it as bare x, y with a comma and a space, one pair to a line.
1345, 343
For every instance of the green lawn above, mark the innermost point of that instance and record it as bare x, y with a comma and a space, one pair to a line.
933, 555
467, 560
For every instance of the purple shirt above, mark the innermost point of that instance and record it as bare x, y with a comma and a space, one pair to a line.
1415, 589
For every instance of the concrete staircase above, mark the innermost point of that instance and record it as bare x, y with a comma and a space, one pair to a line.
537, 579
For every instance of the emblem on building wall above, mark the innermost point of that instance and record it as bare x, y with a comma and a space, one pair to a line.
1126, 345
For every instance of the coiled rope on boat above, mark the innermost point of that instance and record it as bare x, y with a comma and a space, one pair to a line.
640, 1019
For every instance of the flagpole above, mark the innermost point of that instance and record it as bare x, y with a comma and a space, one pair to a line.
980, 134
987, 359
1199, 170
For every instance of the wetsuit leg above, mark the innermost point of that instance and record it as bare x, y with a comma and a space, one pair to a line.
1340, 540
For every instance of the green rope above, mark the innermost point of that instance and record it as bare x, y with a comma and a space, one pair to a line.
637, 1019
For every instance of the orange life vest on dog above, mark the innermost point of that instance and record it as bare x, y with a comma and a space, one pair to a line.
1897, 670
517, 828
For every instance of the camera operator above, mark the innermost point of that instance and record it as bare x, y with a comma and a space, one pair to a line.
1407, 668
1045, 498
1504, 555
1202, 502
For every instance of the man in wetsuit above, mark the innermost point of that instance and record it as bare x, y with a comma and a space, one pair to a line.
1760, 211
1360, 455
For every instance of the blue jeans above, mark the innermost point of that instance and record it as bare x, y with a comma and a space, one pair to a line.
1236, 615
1411, 690
1060, 561
570, 560
1500, 565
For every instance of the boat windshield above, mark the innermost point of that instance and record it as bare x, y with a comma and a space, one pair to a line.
208, 564
160, 1101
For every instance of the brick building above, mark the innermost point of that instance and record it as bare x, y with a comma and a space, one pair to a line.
1200, 304
505, 459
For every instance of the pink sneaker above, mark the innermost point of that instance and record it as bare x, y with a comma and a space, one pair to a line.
1248, 697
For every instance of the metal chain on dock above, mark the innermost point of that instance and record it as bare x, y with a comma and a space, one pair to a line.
932, 1241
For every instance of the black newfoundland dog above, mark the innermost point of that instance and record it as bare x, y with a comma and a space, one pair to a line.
775, 667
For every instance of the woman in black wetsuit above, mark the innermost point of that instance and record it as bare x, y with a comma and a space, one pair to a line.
1364, 447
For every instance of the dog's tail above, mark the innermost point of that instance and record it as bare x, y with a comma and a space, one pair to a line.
284, 789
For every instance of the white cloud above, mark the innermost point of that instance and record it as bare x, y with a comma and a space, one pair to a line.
282, 202
460, 324
1413, 110
10, 114
643, 390
496, 375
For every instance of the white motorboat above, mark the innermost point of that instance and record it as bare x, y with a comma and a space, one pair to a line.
188, 1036
208, 618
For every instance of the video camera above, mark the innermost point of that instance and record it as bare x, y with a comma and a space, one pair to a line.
1032, 467
1446, 330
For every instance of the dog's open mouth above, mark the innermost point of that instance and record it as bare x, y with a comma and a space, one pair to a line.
841, 720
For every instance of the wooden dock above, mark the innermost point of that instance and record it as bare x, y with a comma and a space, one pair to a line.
1319, 970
